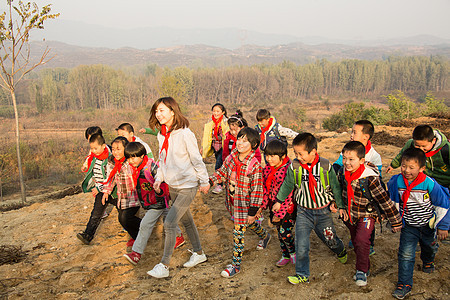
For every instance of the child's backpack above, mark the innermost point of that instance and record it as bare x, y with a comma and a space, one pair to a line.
364, 186
324, 177
147, 195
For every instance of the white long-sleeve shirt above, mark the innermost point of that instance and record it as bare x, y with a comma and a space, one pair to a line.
183, 167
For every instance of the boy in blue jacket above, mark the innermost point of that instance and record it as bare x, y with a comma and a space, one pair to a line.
424, 206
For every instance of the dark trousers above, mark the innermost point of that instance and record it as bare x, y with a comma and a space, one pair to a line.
97, 213
129, 221
360, 233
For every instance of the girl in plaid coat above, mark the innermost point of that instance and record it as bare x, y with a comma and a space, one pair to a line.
242, 176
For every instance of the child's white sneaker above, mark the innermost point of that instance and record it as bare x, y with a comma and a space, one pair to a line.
195, 259
159, 271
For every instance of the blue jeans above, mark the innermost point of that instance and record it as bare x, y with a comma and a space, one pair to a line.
407, 250
321, 222
219, 160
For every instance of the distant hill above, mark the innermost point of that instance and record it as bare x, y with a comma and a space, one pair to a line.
86, 35
69, 56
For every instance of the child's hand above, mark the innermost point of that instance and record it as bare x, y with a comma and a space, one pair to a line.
158, 191
389, 169
104, 198
442, 234
83, 168
396, 229
333, 207
251, 219
94, 192
343, 214
142, 130
276, 207
258, 213
204, 189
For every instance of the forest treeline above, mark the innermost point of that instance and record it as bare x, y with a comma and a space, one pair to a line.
101, 86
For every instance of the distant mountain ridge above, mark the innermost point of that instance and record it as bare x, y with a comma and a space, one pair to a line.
87, 35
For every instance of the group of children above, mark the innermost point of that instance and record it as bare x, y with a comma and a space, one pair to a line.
300, 195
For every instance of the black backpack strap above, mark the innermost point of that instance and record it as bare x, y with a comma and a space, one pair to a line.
445, 155
364, 185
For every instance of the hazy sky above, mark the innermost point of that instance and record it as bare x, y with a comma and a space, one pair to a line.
341, 19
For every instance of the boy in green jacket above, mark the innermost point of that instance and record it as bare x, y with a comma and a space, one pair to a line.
436, 148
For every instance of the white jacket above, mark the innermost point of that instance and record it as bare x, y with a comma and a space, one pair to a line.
183, 167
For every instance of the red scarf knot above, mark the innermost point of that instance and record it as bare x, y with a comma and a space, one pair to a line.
265, 129
117, 167
409, 186
432, 153
165, 146
137, 170
216, 126
274, 170
312, 183
349, 177
104, 155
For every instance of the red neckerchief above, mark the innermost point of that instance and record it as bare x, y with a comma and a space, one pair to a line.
137, 170
134, 139
233, 138
409, 186
432, 153
104, 155
117, 167
265, 129
273, 170
312, 183
238, 165
349, 177
165, 146
216, 125
368, 146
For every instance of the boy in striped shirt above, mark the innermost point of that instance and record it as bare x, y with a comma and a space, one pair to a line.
317, 187
423, 204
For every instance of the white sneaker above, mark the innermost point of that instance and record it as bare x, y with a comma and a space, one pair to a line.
159, 271
195, 259
217, 189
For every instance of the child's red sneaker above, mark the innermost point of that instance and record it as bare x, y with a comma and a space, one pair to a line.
179, 241
133, 257
130, 244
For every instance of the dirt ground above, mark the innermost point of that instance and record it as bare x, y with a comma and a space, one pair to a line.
56, 265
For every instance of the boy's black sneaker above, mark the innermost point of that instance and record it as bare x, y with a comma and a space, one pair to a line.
84, 237
401, 291
428, 267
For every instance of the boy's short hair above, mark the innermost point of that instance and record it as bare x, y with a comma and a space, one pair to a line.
120, 139
126, 126
423, 133
252, 136
262, 114
416, 155
356, 146
135, 149
307, 140
276, 147
92, 130
97, 138
367, 127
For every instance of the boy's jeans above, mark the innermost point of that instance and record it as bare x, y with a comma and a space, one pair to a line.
97, 213
321, 222
407, 250
360, 233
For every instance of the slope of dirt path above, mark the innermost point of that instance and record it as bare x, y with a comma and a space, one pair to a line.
58, 266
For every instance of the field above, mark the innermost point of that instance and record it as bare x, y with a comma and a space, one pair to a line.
52, 264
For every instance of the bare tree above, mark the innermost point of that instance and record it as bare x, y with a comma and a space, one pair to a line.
15, 26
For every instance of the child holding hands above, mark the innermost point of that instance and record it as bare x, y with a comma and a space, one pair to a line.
424, 206
241, 174
281, 215
356, 208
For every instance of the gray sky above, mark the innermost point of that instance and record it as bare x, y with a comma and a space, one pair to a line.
341, 19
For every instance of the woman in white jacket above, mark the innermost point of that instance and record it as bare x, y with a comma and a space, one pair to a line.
182, 168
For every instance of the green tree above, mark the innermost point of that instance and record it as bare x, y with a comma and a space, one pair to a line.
400, 106
15, 26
